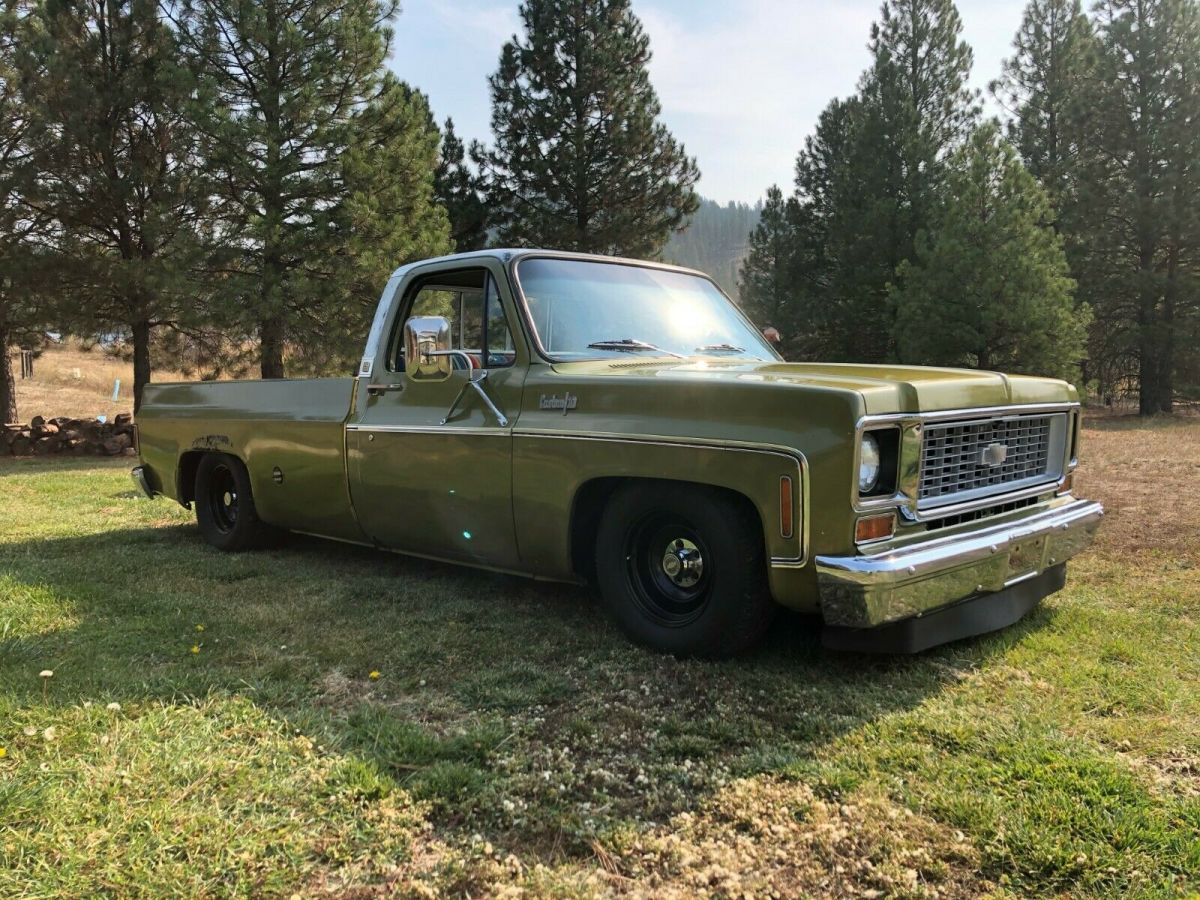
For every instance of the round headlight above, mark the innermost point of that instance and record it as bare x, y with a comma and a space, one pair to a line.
868, 465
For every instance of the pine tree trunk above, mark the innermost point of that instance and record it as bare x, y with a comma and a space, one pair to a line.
8, 385
1166, 331
272, 327
141, 361
271, 336
1149, 362
1148, 365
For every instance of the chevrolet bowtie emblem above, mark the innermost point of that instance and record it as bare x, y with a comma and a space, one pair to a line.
993, 455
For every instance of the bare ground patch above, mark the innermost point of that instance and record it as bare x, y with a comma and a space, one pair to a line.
1147, 475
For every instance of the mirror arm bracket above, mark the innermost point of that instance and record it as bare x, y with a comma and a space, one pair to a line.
475, 379
474, 382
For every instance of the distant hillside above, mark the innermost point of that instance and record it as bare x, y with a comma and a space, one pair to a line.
715, 241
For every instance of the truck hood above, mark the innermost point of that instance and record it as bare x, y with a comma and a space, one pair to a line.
883, 388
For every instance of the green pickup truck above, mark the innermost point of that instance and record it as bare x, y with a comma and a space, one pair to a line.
596, 420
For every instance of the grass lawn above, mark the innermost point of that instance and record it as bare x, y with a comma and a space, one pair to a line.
319, 719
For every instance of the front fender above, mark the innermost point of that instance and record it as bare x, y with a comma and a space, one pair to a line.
551, 467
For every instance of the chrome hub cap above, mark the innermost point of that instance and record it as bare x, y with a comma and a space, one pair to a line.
683, 563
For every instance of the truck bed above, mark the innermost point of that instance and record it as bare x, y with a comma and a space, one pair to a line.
295, 426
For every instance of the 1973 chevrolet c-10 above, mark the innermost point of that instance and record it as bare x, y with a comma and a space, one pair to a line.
590, 419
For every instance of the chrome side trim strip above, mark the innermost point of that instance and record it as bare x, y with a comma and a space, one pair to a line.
707, 443
444, 430
795, 456
783, 562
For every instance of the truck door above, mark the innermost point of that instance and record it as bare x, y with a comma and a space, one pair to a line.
430, 459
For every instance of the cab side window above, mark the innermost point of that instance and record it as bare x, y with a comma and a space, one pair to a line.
470, 302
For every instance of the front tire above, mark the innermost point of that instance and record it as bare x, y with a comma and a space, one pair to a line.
225, 508
682, 569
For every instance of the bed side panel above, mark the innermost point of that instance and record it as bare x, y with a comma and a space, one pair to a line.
293, 426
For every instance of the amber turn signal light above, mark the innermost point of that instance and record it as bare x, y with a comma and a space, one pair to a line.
872, 528
785, 506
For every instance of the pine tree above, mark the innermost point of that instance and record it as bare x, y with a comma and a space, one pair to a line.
830, 194
989, 285
388, 217
286, 93
918, 106
580, 160
1140, 176
19, 224
457, 188
767, 282
1043, 89
913, 111
116, 153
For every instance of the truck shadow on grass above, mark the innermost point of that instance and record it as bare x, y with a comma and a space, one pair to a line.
513, 707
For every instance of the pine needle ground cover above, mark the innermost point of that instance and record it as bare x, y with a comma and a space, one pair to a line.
322, 720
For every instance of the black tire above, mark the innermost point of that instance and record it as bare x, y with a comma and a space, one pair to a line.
713, 601
225, 508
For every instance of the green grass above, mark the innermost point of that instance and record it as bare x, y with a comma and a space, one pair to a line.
513, 737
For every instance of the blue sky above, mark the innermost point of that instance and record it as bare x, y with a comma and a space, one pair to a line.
741, 83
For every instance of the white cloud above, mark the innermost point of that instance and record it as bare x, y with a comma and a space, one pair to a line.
743, 88
742, 84
764, 60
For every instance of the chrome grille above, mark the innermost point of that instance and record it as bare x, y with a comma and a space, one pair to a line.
966, 457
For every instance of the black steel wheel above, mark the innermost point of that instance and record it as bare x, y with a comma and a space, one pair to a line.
682, 568
225, 508
664, 569
222, 498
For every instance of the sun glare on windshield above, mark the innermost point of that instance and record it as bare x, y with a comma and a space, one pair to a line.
588, 310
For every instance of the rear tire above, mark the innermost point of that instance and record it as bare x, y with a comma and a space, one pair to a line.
225, 508
682, 569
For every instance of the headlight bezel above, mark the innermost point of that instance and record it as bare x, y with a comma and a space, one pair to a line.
886, 441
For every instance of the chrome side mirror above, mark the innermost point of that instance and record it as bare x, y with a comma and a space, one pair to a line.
427, 348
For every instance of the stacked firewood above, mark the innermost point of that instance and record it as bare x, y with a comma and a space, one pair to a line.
77, 437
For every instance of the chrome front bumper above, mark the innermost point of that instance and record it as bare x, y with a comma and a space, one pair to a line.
900, 583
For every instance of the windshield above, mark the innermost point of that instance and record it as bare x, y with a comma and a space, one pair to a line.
588, 310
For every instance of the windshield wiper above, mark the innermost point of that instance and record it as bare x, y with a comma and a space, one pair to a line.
720, 348
632, 345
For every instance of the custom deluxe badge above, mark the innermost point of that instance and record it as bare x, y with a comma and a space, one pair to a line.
553, 401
